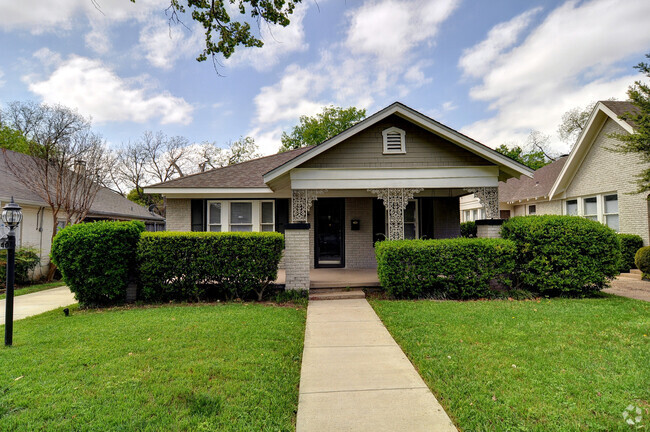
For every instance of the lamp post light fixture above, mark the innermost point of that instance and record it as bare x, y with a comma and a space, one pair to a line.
11, 216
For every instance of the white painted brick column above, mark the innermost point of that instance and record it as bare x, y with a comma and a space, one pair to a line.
296, 256
489, 228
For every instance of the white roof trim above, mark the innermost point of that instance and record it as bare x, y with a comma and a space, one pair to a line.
580, 150
173, 190
504, 162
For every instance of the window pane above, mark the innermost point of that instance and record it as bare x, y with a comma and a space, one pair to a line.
409, 231
532, 209
593, 218
215, 228
611, 204
241, 212
572, 208
590, 206
241, 228
612, 222
215, 213
409, 212
267, 228
267, 212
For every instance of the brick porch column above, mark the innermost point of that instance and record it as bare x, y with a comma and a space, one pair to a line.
296, 256
489, 228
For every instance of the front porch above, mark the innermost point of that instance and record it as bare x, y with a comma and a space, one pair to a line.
337, 278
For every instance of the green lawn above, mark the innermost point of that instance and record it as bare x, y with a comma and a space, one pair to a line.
549, 365
230, 367
28, 289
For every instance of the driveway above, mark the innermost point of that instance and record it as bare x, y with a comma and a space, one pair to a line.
38, 302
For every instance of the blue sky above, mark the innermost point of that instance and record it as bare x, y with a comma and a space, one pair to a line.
494, 70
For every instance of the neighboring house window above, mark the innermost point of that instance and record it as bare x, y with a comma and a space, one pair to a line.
394, 141
467, 215
590, 208
214, 217
267, 216
532, 209
572, 207
611, 211
60, 224
241, 216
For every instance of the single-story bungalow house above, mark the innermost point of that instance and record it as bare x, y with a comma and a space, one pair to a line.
592, 181
35, 230
396, 174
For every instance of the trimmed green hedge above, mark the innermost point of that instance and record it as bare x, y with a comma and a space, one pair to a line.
26, 260
454, 268
642, 261
630, 243
563, 254
199, 265
97, 259
468, 229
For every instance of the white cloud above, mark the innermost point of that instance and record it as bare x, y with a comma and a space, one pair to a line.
477, 60
572, 58
163, 44
390, 29
356, 71
96, 90
278, 42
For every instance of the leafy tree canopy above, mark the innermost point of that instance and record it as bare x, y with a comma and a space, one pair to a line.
532, 159
223, 34
12, 139
639, 141
323, 126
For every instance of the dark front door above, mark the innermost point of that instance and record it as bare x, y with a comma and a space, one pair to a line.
329, 242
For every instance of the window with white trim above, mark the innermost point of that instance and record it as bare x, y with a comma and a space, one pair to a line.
590, 208
571, 208
214, 216
610, 211
410, 220
394, 141
267, 216
241, 216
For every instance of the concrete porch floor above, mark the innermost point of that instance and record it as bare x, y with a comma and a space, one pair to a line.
338, 278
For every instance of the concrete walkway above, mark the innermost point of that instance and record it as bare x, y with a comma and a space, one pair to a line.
355, 377
636, 289
38, 302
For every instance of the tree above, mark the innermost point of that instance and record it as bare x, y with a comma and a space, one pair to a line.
532, 159
639, 141
574, 122
64, 162
12, 139
323, 126
223, 34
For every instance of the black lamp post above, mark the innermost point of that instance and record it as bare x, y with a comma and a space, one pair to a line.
11, 216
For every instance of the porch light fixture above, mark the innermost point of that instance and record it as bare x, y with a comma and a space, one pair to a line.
11, 216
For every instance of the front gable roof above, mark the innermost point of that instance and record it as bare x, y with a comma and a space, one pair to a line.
508, 166
603, 111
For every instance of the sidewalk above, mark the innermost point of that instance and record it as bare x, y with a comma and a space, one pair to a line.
38, 302
355, 377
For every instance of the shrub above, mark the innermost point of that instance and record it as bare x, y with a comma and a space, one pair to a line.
97, 259
468, 229
454, 268
199, 265
642, 261
562, 254
630, 243
26, 260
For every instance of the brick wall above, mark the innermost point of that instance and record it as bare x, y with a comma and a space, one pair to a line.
179, 215
359, 251
297, 262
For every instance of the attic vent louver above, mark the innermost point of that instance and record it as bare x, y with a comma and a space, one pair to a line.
394, 141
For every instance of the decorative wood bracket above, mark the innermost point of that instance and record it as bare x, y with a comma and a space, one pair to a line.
395, 200
301, 201
489, 198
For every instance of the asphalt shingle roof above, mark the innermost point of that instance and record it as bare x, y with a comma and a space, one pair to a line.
538, 186
621, 107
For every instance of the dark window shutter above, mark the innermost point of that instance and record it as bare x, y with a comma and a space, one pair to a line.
378, 220
426, 218
198, 215
281, 214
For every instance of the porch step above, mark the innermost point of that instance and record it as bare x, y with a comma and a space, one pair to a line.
631, 275
335, 294
636, 271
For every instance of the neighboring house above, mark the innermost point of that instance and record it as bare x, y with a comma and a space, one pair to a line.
396, 174
36, 228
591, 181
